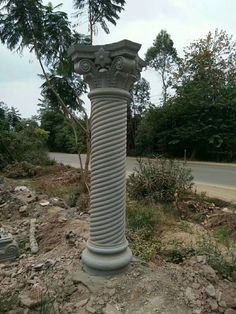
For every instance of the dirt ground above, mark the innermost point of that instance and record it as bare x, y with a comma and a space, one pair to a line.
53, 280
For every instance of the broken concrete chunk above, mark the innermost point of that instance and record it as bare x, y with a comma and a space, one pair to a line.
8, 247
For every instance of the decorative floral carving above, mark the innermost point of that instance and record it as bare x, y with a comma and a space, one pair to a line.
106, 68
102, 58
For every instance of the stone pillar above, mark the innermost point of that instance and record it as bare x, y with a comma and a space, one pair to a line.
110, 70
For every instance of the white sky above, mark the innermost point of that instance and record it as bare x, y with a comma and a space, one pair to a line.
184, 20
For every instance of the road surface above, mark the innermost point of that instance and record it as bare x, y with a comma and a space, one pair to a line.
218, 180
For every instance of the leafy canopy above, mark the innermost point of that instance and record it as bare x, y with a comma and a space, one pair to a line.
162, 57
100, 12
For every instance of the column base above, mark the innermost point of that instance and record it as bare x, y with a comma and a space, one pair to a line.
106, 264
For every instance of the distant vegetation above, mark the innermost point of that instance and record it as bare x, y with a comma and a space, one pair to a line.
195, 115
21, 140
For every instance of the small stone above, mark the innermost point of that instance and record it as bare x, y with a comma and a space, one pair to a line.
23, 209
110, 309
213, 304
101, 302
81, 303
189, 294
70, 288
229, 297
210, 290
22, 188
62, 219
201, 259
27, 301
90, 309
38, 266
110, 284
230, 311
50, 263
111, 292
44, 203
196, 285
222, 304
209, 273
226, 210
218, 295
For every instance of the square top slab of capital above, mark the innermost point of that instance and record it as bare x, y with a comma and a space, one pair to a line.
124, 48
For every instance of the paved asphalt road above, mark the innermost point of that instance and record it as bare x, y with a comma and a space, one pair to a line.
218, 180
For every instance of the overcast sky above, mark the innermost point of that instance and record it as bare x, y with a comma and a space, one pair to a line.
184, 20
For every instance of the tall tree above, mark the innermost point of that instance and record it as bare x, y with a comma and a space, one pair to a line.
201, 117
139, 104
99, 12
162, 56
46, 31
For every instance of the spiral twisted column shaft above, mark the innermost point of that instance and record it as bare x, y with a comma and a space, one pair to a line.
110, 71
107, 249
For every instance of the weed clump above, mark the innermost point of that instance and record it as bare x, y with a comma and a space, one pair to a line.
142, 221
159, 179
144, 244
223, 263
22, 169
141, 217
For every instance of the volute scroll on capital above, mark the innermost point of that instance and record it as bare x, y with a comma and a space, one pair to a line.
114, 65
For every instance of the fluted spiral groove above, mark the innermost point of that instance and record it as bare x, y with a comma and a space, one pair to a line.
108, 164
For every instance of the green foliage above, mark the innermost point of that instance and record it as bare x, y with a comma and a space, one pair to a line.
21, 139
178, 253
224, 264
61, 135
162, 57
47, 304
30, 24
159, 179
223, 236
6, 302
201, 117
141, 217
20, 170
206, 131
100, 12
139, 104
142, 221
46, 31
143, 244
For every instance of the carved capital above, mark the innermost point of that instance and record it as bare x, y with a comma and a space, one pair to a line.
114, 65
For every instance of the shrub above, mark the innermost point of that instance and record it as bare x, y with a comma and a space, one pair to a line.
20, 170
141, 217
159, 179
37, 157
223, 263
3, 162
144, 245
177, 253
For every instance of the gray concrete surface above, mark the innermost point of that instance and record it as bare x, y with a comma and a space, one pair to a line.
216, 179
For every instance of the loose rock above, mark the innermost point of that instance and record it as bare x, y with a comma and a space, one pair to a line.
210, 290
110, 309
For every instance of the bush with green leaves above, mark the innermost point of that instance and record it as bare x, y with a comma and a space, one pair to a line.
159, 179
223, 263
21, 139
22, 169
140, 216
142, 221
